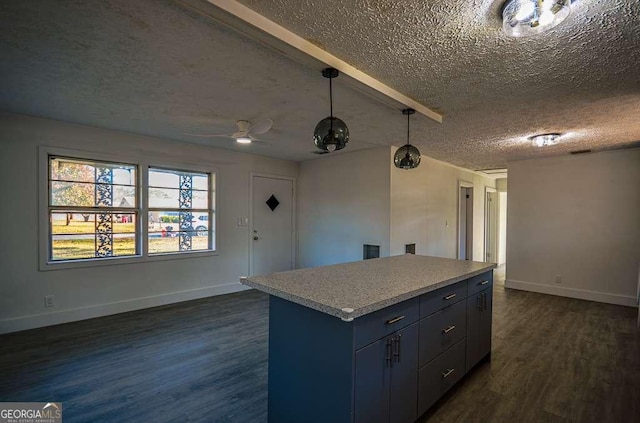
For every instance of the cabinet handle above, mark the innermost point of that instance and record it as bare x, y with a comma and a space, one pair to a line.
448, 373
450, 296
449, 329
388, 356
483, 283
396, 354
479, 302
395, 320
484, 301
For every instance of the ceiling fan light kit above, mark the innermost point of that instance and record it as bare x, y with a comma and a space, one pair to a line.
524, 18
331, 133
245, 132
243, 140
407, 157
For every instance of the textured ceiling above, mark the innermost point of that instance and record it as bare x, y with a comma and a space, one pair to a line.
162, 68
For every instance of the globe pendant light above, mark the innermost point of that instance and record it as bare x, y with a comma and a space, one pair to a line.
331, 133
407, 157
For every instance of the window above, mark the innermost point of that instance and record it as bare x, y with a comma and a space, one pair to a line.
97, 209
92, 209
180, 210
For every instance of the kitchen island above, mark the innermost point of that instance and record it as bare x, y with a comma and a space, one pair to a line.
373, 341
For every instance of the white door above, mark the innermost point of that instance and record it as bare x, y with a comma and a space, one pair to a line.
272, 229
491, 226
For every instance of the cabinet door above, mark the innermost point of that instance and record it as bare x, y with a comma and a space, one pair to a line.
373, 364
479, 309
403, 390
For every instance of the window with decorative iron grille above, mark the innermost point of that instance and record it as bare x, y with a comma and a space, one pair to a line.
93, 209
181, 211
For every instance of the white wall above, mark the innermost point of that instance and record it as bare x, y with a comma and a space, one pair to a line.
577, 217
502, 227
424, 208
343, 203
89, 292
501, 184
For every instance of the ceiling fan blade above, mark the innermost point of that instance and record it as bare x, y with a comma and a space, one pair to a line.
262, 142
261, 126
209, 135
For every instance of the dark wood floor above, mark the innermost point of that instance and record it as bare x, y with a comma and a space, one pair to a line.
554, 360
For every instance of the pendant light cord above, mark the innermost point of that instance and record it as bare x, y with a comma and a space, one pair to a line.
331, 104
408, 120
331, 97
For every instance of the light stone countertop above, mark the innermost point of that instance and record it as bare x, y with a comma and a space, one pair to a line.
351, 290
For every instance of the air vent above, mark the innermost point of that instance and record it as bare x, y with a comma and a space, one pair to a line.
581, 151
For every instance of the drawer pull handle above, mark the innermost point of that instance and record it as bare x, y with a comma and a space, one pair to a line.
483, 283
449, 329
450, 296
447, 373
395, 320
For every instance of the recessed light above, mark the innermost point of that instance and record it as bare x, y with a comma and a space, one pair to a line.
544, 140
523, 18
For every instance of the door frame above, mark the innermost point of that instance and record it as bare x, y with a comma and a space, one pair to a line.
294, 216
464, 184
488, 190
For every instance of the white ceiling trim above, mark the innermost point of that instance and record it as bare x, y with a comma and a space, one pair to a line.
255, 19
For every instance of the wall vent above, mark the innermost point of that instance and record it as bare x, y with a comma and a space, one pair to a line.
370, 251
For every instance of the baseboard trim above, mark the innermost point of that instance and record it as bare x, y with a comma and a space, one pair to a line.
581, 294
81, 313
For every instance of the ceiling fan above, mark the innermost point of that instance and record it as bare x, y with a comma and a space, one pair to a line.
245, 132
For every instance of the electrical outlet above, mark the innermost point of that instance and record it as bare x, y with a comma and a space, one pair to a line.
558, 279
48, 300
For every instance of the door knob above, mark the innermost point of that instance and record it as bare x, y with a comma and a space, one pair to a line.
255, 238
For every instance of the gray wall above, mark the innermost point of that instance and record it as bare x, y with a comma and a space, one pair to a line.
94, 291
576, 217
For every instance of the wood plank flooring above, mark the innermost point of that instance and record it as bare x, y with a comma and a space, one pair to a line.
554, 360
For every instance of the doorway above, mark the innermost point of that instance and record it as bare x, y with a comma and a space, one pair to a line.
465, 221
272, 232
491, 225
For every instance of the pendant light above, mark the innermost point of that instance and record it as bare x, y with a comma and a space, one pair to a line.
407, 157
331, 133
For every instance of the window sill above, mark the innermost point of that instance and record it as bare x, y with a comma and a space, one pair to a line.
116, 261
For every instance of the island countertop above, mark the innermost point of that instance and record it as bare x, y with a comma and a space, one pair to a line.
351, 290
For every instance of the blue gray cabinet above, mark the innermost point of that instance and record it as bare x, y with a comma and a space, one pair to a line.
479, 309
388, 366
385, 379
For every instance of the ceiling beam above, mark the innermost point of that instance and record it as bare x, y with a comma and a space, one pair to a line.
254, 19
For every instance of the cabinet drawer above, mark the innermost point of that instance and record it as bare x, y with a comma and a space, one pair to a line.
374, 326
443, 297
441, 330
480, 282
437, 377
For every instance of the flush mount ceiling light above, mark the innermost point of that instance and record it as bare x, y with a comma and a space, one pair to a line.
331, 133
407, 157
544, 140
523, 18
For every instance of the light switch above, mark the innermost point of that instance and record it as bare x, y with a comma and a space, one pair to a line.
242, 221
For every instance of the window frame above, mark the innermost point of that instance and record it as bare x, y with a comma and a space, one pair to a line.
142, 185
210, 211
